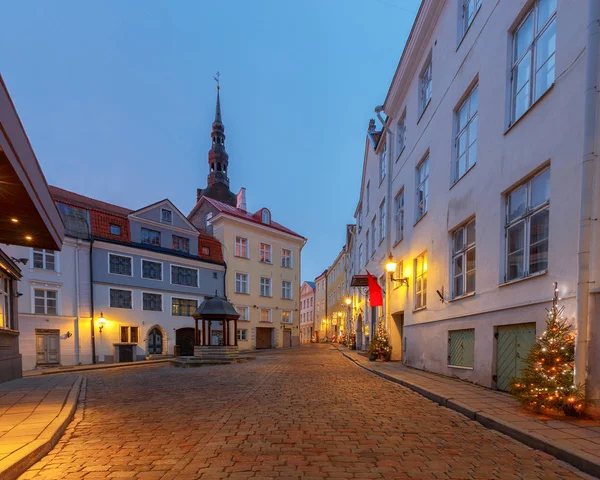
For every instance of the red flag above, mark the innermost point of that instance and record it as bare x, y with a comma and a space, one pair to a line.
375, 293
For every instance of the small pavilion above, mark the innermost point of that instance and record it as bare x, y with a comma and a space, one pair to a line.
215, 309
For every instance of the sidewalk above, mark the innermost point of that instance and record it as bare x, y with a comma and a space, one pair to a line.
34, 413
575, 441
97, 366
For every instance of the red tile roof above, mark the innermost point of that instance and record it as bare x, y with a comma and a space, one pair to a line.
254, 218
103, 215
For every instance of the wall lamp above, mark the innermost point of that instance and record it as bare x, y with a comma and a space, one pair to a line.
101, 322
20, 260
390, 266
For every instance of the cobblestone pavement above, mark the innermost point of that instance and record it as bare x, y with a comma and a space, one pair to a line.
302, 413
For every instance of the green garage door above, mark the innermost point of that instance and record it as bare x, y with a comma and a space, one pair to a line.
514, 343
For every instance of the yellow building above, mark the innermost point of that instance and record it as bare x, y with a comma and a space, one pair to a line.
337, 309
262, 256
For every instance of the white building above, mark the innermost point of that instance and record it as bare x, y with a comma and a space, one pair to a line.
307, 312
474, 186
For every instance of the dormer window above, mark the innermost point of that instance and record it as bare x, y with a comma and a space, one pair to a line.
166, 215
115, 229
266, 216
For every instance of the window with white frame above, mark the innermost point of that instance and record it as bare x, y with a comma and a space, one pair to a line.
244, 313
463, 260
382, 221
422, 188
401, 134
265, 287
120, 265
360, 219
152, 302
45, 302
181, 244
184, 276
466, 136
130, 334
367, 195
461, 348
399, 214
183, 307
44, 259
286, 290
242, 334
469, 9
286, 316
151, 237
6, 302
360, 256
421, 281
382, 162
286, 258
151, 270
266, 216
120, 298
425, 85
166, 215
241, 283
528, 227
208, 220
115, 229
373, 235
367, 247
241, 247
398, 274
265, 253
533, 56
265, 315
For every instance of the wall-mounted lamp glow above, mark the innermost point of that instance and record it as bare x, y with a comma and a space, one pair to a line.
348, 301
390, 266
101, 322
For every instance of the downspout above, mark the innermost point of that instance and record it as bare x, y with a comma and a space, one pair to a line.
587, 193
388, 210
92, 302
77, 298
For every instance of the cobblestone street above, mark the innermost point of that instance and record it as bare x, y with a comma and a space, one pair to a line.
307, 413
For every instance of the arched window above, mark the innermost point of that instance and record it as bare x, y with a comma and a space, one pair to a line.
212, 167
266, 216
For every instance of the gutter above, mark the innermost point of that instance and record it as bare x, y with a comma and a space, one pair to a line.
92, 302
77, 303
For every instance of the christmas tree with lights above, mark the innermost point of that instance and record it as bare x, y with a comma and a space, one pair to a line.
547, 381
380, 345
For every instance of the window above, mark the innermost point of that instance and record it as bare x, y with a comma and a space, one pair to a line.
244, 313
241, 283
368, 245
425, 86
382, 161
286, 316
399, 208
120, 265
382, 221
151, 237
286, 258
115, 229
534, 46
183, 307
208, 220
265, 253
166, 215
265, 315
120, 298
422, 188
184, 276
286, 290
469, 9
242, 334
398, 274
367, 195
130, 334
5, 301
360, 255
373, 235
461, 348
266, 216
152, 302
463, 260
44, 259
401, 134
181, 244
527, 227
421, 281
151, 270
241, 247
466, 136
205, 251
360, 219
265, 287
45, 302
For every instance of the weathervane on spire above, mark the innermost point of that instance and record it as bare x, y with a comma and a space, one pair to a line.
216, 77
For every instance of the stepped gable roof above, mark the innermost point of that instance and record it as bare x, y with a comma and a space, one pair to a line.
251, 217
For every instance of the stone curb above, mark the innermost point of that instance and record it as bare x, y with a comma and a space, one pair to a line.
18, 462
83, 368
583, 461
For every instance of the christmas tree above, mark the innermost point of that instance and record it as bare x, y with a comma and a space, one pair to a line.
547, 381
380, 345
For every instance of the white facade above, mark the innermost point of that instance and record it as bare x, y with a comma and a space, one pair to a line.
438, 72
307, 312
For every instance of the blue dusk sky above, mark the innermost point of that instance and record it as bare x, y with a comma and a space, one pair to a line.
118, 98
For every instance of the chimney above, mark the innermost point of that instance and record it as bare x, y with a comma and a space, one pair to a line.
371, 125
241, 199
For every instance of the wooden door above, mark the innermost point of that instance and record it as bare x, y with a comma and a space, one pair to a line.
184, 337
47, 349
263, 337
155, 342
513, 345
287, 338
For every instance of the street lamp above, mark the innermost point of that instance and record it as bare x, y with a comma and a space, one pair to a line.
101, 322
391, 266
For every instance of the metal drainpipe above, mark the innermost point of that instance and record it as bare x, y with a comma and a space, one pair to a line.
78, 314
388, 203
587, 193
92, 303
